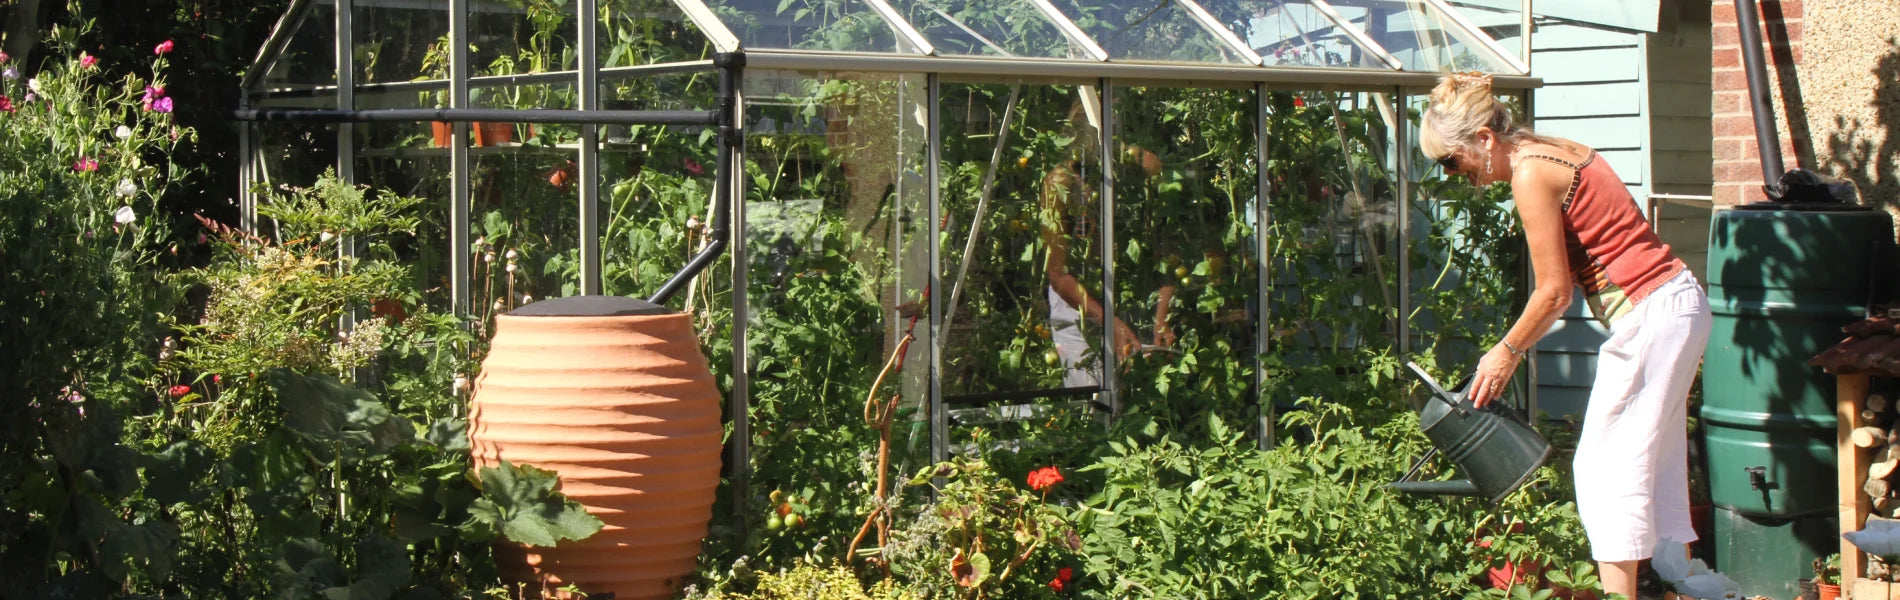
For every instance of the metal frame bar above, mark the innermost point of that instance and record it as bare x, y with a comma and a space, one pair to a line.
939, 417
709, 24
274, 45
1070, 30
1180, 74
739, 405
465, 115
490, 81
460, 169
1524, 35
345, 49
1489, 46
1402, 149
588, 165
1110, 358
903, 27
1227, 36
1359, 35
1263, 293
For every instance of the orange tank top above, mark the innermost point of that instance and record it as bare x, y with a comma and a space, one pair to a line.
1614, 255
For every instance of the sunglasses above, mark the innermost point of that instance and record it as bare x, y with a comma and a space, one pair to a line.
1449, 163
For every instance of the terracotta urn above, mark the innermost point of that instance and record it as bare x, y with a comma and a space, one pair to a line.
614, 395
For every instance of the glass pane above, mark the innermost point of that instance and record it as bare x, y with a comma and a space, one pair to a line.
1186, 274
986, 28
656, 191
645, 32
294, 154
1332, 240
400, 41
523, 37
1146, 30
407, 159
841, 25
1022, 256
1464, 245
1293, 33
1501, 20
831, 220
525, 208
1420, 36
309, 58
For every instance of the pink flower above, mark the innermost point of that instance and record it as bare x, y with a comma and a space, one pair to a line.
693, 166
179, 391
217, 379
4, 57
6, 104
86, 165
163, 105
88, 60
163, 48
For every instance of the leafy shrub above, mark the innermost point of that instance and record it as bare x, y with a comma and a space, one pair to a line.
1310, 520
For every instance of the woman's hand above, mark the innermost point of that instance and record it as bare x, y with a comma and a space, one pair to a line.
1494, 374
1125, 341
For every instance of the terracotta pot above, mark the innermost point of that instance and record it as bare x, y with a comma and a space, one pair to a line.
614, 395
492, 134
442, 134
1828, 591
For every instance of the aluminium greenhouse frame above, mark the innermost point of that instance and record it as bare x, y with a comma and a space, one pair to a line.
1389, 80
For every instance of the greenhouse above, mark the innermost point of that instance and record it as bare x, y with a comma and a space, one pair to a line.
834, 190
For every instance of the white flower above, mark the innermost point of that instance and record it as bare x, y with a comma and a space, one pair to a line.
326, 237
127, 188
124, 216
510, 255
511, 267
461, 383
527, 299
1879, 537
33, 84
123, 132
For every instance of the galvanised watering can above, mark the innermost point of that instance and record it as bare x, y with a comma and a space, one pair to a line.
1492, 446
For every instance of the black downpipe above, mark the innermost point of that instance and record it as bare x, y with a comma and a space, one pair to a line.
731, 66
1748, 20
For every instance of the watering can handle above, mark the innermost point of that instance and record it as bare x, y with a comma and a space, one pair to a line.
1419, 372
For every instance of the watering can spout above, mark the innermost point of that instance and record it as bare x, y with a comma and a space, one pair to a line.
1493, 446
1454, 487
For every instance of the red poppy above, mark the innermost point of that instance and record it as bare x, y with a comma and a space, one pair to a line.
1058, 584
179, 391
1041, 479
1065, 574
1298, 102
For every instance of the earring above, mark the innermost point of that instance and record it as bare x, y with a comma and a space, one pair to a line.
1487, 164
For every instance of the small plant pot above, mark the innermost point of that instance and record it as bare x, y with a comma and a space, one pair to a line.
442, 134
494, 134
1828, 591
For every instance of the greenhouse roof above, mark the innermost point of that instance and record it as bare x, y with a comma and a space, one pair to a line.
398, 45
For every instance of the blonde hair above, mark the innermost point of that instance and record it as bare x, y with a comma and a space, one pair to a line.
1461, 105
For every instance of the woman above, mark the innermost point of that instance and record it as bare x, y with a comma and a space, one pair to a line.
1584, 230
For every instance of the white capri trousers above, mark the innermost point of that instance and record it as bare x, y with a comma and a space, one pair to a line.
1632, 462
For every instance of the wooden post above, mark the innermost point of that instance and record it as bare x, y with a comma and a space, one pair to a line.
1850, 393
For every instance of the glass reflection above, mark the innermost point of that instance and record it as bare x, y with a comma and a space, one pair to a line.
1420, 36
646, 32
1185, 270
309, 57
834, 206
1294, 33
523, 203
838, 25
522, 37
1332, 237
986, 28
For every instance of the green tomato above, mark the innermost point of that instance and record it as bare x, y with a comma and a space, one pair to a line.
1051, 358
794, 521
772, 523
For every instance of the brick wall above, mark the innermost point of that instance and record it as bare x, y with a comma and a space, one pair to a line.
1737, 166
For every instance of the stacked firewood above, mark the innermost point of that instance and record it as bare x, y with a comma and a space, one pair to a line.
1885, 444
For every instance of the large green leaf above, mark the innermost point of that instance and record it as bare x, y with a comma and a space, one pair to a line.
150, 545
520, 502
328, 412
171, 473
